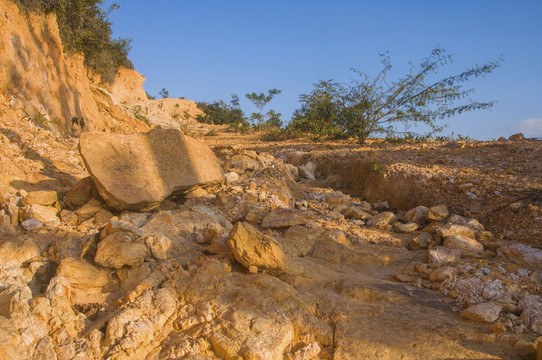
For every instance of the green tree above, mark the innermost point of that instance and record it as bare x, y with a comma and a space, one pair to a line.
260, 101
369, 105
319, 110
220, 113
164, 93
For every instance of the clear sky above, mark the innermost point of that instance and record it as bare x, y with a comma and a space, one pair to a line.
206, 50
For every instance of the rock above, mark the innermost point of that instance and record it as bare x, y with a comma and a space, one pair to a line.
252, 248
522, 255
420, 241
119, 249
31, 224
417, 214
285, 217
443, 255
246, 162
68, 217
484, 312
405, 228
442, 273
81, 274
307, 352
15, 252
46, 214
139, 171
531, 315
452, 229
462, 243
516, 137
438, 213
378, 237
355, 212
231, 177
45, 198
81, 193
88, 210
307, 171
381, 220
380, 205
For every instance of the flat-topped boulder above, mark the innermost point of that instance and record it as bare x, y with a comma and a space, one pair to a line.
138, 171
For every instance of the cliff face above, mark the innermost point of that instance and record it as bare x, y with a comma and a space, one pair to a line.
37, 76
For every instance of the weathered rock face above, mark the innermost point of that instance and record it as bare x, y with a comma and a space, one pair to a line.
254, 249
139, 171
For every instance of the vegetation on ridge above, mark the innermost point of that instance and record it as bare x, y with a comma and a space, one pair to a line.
84, 28
368, 105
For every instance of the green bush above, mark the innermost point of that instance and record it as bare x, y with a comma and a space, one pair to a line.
84, 29
220, 113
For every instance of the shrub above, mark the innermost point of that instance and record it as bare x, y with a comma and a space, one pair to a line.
375, 105
220, 113
84, 29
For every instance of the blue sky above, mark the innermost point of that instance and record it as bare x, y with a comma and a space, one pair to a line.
206, 50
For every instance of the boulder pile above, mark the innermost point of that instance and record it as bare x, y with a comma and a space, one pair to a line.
267, 265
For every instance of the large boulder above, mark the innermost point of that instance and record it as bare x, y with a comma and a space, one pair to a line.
138, 171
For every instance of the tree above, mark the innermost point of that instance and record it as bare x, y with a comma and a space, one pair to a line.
220, 113
164, 93
260, 101
374, 105
319, 110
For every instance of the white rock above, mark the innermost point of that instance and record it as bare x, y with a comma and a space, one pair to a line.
231, 177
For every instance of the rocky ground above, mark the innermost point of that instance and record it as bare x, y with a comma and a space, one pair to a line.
305, 251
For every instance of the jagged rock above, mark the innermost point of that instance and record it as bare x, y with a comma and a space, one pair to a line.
307, 171
405, 228
420, 241
471, 223
15, 252
45, 198
308, 352
119, 249
531, 315
231, 177
81, 193
31, 224
462, 243
417, 214
86, 281
46, 214
285, 217
437, 213
516, 137
88, 210
378, 237
139, 171
442, 273
68, 217
81, 274
522, 255
443, 255
355, 212
381, 220
451, 230
252, 248
246, 162
484, 312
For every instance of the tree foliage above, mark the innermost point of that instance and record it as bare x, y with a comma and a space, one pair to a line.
221, 113
367, 105
260, 101
85, 28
